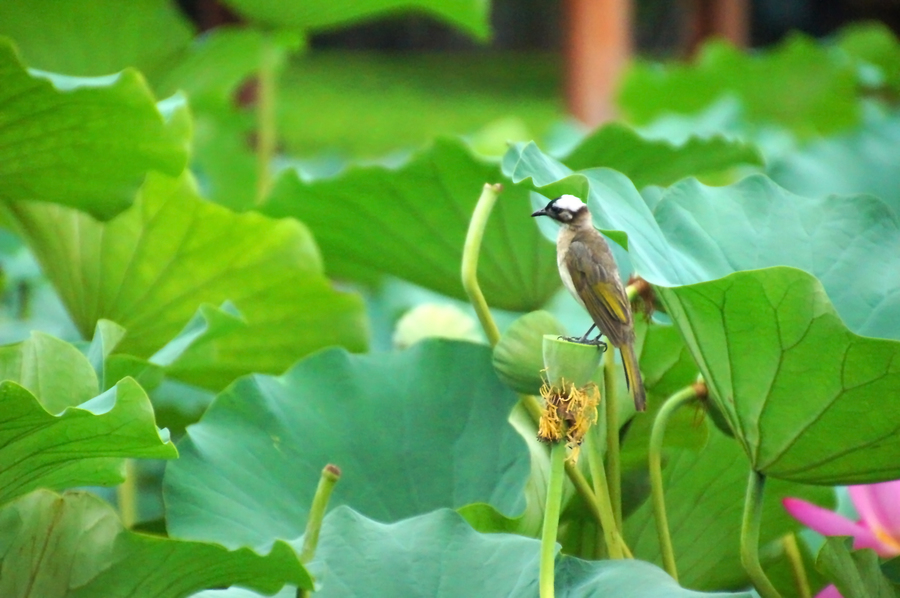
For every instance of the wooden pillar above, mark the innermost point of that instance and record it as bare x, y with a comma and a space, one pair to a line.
731, 19
728, 19
598, 48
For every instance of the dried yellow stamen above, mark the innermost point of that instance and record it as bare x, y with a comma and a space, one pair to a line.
569, 412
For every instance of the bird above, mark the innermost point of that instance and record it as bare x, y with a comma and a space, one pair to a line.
588, 270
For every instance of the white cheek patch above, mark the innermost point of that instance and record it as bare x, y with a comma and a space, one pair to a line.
569, 202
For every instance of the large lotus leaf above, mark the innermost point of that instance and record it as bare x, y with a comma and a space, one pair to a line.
150, 268
411, 432
704, 503
438, 555
411, 222
84, 143
54, 371
695, 233
658, 162
95, 37
789, 376
798, 84
862, 160
469, 15
74, 546
84, 445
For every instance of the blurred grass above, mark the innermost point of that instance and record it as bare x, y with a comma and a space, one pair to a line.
366, 104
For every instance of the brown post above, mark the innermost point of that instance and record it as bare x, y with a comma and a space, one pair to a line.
730, 20
598, 47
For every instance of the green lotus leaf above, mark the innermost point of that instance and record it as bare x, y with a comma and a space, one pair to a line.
316, 15
74, 546
861, 160
799, 84
94, 37
411, 431
107, 336
188, 350
55, 372
416, 216
705, 489
84, 445
788, 375
150, 268
658, 162
225, 164
83, 143
212, 67
439, 555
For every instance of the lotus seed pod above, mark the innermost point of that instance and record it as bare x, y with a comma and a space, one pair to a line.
518, 357
575, 363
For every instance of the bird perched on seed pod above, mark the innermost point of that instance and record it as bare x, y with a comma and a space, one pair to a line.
588, 270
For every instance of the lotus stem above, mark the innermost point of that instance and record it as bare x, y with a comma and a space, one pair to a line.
792, 552
330, 476
615, 545
552, 510
657, 436
266, 126
750, 536
471, 250
127, 494
613, 467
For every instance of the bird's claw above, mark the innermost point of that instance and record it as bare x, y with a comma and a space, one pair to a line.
582, 340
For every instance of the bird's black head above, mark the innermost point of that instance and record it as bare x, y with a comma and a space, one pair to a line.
563, 209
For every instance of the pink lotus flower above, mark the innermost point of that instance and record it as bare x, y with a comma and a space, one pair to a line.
878, 527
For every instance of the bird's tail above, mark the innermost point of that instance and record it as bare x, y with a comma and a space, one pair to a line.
633, 377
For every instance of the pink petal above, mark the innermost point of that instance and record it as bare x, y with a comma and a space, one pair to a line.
829, 523
829, 592
879, 508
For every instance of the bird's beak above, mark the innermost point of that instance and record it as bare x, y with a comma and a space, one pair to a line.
541, 212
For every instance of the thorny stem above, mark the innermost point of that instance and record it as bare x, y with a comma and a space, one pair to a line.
792, 551
266, 127
551, 518
750, 536
613, 469
611, 533
471, 250
657, 436
330, 476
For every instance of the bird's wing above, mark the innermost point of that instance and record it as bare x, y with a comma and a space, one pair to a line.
602, 293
